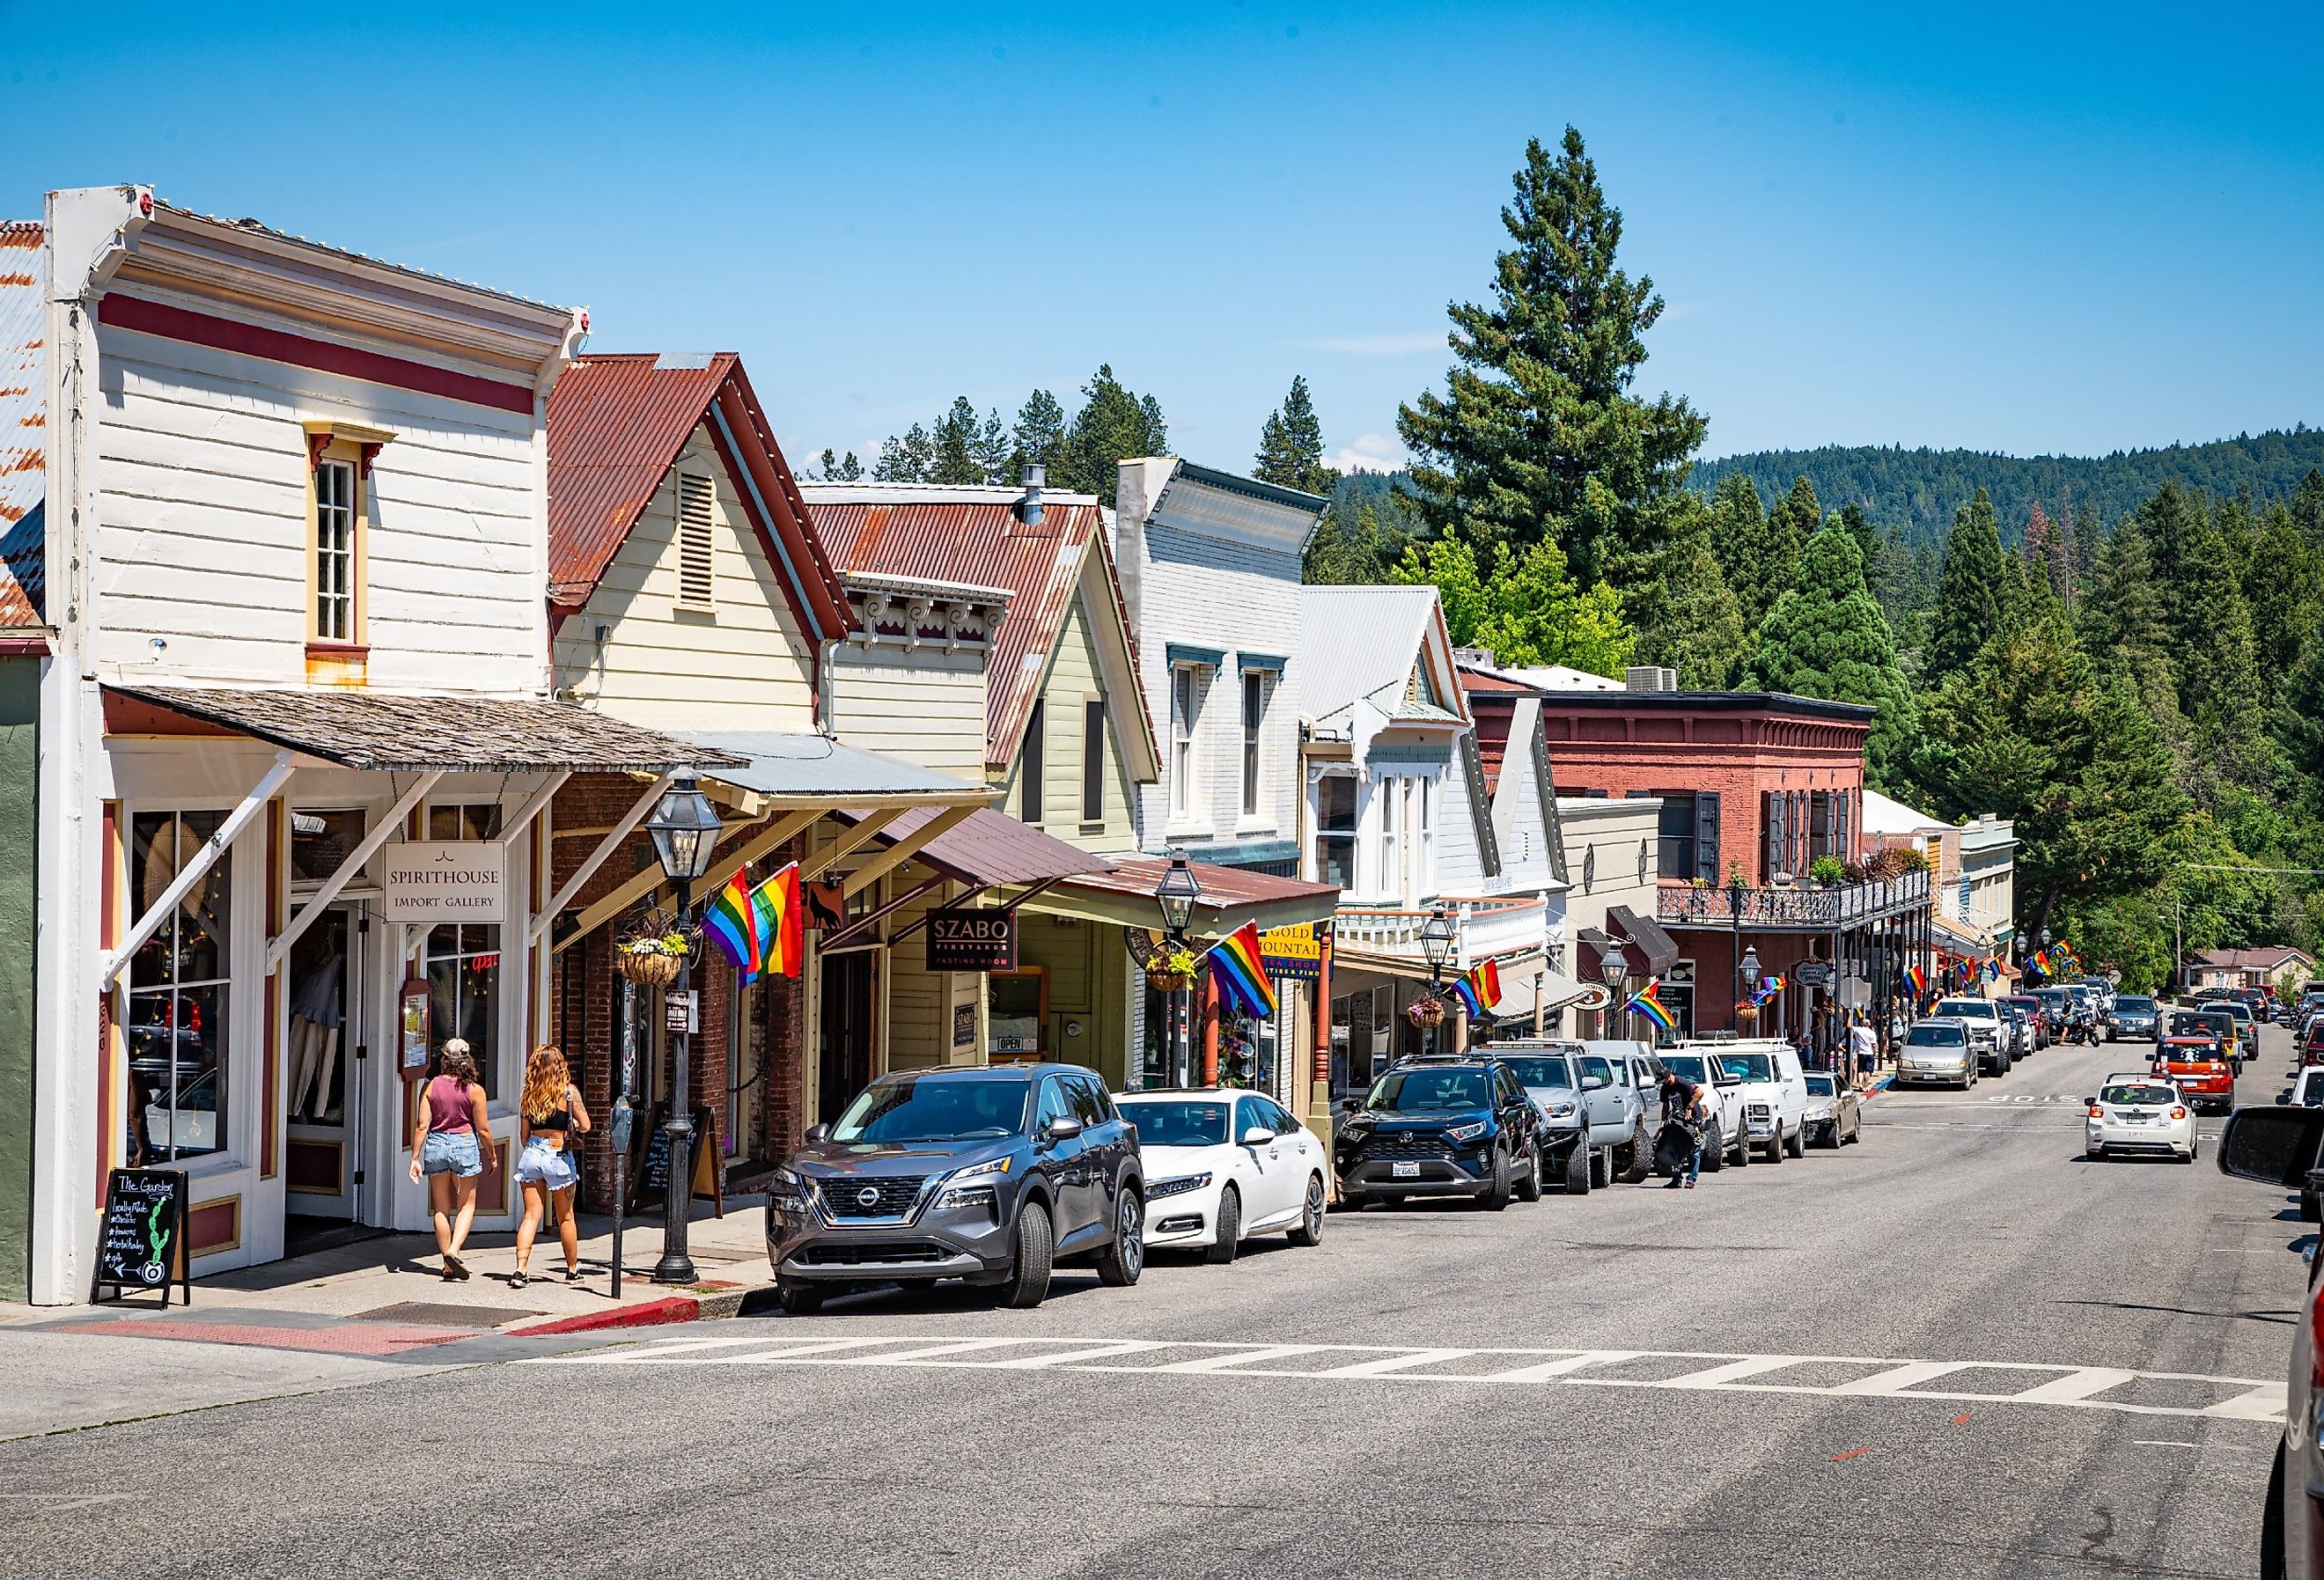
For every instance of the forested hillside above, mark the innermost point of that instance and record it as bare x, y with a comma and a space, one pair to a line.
1915, 492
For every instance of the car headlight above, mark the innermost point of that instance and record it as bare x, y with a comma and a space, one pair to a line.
1756, 1109
1466, 1133
972, 1186
788, 1186
1562, 1109
1157, 1188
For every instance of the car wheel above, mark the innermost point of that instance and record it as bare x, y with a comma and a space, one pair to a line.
1798, 1141
1602, 1167
1309, 1230
2271, 1528
1578, 1171
1714, 1149
1222, 1250
1028, 1284
1640, 1161
2095, 1154
1529, 1176
1124, 1258
799, 1300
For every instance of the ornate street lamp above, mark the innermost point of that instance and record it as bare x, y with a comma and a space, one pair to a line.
685, 828
1738, 895
1750, 969
1611, 969
1176, 895
1437, 938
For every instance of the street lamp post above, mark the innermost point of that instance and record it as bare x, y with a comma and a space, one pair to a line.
1436, 940
1176, 895
1611, 969
685, 828
1748, 970
1738, 895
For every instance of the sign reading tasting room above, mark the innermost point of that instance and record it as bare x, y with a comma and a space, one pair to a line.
447, 879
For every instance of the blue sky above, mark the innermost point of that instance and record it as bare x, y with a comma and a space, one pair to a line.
2017, 227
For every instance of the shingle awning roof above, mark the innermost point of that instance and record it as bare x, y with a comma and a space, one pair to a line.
398, 733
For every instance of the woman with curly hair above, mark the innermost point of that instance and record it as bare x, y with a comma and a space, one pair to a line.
549, 1116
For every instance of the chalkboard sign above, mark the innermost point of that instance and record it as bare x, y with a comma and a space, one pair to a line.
652, 1178
142, 1242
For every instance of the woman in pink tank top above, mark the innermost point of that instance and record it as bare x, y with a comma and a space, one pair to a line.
452, 1145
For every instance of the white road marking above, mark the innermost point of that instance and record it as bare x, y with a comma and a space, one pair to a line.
2065, 1387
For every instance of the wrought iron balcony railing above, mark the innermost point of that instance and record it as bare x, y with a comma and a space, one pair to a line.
1801, 906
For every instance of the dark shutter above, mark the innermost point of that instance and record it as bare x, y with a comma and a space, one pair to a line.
1771, 833
1706, 834
1032, 764
1094, 760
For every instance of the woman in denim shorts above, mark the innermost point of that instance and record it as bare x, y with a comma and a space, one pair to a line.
549, 1117
452, 1145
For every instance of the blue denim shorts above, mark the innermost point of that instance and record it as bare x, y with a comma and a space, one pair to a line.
451, 1152
542, 1164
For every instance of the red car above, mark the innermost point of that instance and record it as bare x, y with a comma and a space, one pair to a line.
2199, 1068
2311, 1048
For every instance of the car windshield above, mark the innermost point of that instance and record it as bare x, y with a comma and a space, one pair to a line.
1177, 1122
2052, 996
1979, 1008
2134, 1005
1748, 1066
2237, 1008
1687, 1067
935, 1110
2187, 1022
1429, 1091
1822, 1086
2138, 1096
1541, 1070
1935, 1037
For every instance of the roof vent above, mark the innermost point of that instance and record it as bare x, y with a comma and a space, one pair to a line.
1649, 678
1473, 657
1028, 509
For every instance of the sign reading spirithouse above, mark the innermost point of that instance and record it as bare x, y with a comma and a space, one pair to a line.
447, 879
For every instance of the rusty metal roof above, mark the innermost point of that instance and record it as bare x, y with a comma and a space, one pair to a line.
402, 733
1230, 895
616, 424
24, 428
989, 848
976, 535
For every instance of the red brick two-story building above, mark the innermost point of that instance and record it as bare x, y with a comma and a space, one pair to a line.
1753, 788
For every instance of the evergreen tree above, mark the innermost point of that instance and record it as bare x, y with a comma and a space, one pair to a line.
832, 468
1827, 638
1114, 425
2124, 630
2299, 720
2283, 583
1686, 615
1867, 535
906, 459
2176, 527
992, 449
1790, 522
952, 446
2221, 697
1758, 562
1536, 433
1291, 444
1039, 436
1972, 596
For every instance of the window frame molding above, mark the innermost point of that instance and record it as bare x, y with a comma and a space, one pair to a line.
332, 443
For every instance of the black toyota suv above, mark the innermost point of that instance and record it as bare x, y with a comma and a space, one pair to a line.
1445, 1127
988, 1175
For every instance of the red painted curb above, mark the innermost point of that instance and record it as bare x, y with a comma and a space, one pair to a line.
647, 1314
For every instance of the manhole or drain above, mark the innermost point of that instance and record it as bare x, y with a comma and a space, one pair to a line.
429, 1314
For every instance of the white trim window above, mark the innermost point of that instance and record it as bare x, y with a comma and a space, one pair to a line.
1188, 682
334, 552
1425, 852
1390, 882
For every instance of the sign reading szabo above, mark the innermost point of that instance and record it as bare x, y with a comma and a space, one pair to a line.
447, 879
964, 939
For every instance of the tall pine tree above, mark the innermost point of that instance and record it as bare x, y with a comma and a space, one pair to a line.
1038, 438
1972, 595
1114, 425
1685, 614
1537, 433
1827, 638
1758, 562
1291, 444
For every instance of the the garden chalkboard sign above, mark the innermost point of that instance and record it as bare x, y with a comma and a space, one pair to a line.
142, 1242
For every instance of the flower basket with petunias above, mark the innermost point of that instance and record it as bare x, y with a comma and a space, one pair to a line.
1426, 1012
652, 959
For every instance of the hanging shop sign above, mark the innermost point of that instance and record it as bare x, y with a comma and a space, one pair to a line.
961, 939
681, 1011
1295, 951
447, 879
1812, 973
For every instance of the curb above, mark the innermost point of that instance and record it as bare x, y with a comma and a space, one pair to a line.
713, 1306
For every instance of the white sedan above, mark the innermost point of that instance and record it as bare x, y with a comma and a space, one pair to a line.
1222, 1165
2134, 1115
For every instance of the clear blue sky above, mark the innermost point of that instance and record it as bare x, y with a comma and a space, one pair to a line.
2012, 227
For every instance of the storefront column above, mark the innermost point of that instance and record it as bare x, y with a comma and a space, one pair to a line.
1208, 1012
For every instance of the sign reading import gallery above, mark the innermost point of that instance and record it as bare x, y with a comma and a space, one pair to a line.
447, 879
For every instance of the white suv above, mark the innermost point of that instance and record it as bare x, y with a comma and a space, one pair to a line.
1983, 1018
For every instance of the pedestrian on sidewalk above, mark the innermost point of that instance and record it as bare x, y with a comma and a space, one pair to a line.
452, 1144
549, 1117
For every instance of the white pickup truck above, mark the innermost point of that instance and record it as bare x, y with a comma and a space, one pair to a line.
1727, 1141
1774, 1092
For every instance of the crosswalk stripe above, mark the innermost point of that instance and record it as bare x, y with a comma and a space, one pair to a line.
2076, 1387
1898, 1378
1733, 1372
1129, 1346
1244, 1357
1381, 1368
1560, 1367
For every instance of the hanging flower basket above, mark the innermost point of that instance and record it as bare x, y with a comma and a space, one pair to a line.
652, 959
1747, 1014
1169, 981
1426, 1012
1171, 970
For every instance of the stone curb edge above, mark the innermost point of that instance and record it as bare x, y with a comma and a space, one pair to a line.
711, 1307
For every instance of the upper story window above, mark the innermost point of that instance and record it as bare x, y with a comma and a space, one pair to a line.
697, 542
336, 583
1032, 765
1335, 830
1093, 760
1254, 713
1188, 682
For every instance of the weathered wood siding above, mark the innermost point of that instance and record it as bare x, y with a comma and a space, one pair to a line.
202, 525
742, 664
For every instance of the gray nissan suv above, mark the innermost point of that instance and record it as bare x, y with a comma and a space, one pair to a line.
987, 1175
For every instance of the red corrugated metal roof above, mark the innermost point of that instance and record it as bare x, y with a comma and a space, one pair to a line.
989, 847
1223, 889
617, 422
982, 542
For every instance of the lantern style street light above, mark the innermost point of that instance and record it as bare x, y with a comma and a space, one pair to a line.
1611, 969
685, 828
1738, 895
1436, 941
1176, 895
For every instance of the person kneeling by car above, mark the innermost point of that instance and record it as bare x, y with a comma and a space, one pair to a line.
1684, 1112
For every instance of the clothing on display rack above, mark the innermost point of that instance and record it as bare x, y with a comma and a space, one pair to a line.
318, 1014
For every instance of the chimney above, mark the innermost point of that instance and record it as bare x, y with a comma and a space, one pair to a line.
1028, 509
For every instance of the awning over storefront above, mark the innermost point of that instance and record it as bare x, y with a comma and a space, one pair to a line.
1123, 896
988, 849
1652, 951
402, 733
1522, 981
804, 770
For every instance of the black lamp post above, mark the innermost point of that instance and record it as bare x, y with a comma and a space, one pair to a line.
1748, 969
1611, 969
1436, 940
1176, 895
685, 828
1738, 895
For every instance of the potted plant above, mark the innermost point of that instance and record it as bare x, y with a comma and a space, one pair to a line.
1827, 870
651, 958
1426, 1010
1172, 970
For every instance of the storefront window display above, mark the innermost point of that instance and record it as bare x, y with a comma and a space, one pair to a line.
176, 1027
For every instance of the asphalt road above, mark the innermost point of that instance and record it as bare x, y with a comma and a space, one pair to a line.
1640, 1382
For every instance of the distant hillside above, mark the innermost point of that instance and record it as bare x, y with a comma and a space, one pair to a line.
1916, 491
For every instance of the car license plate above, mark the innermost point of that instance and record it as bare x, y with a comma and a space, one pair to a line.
1404, 1170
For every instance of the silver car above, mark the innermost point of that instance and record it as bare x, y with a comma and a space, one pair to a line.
1938, 1052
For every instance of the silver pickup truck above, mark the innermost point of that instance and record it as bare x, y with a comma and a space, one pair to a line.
1624, 1111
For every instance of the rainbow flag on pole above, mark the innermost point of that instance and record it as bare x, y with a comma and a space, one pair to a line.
1769, 986
1479, 990
1242, 980
728, 923
1646, 1002
776, 923
1919, 979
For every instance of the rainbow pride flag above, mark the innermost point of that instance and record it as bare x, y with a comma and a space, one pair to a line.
1242, 979
1769, 986
1647, 1002
1919, 979
728, 923
1480, 989
778, 923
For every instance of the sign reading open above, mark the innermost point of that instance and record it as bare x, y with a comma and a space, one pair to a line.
447, 879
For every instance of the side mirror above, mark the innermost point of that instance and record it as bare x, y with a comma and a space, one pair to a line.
1257, 1135
818, 1132
1064, 1127
2276, 1146
1595, 1083
2090, 1102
